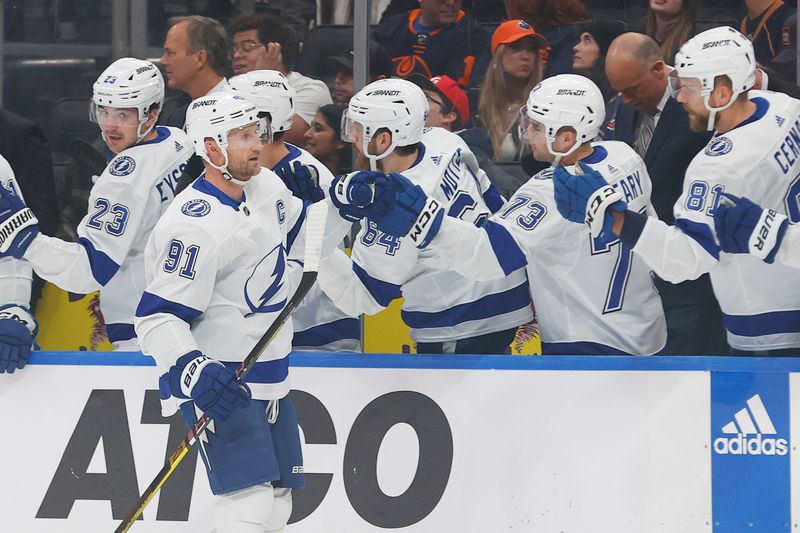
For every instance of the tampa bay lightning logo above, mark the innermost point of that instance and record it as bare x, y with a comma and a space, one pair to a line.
196, 208
122, 166
270, 269
719, 146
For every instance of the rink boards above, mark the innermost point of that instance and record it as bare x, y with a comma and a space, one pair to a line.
430, 444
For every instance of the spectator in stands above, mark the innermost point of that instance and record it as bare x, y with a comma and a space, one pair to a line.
195, 60
448, 108
516, 66
589, 59
264, 42
436, 39
658, 128
670, 23
767, 80
765, 26
559, 21
324, 139
343, 83
344, 86
784, 65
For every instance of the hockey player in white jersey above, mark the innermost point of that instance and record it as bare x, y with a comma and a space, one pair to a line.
754, 153
744, 227
318, 324
445, 311
220, 266
17, 327
124, 204
592, 296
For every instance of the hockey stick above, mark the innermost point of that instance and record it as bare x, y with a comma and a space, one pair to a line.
88, 156
315, 227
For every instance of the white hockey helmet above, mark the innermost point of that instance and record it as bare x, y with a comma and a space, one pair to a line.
721, 51
214, 116
395, 104
129, 83
271, 92
564, 100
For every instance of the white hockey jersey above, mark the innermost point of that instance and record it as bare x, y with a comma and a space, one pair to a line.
590, 297
439, 305
124, 205
218, 273
789, 252
15, 275
318, 324
759, 159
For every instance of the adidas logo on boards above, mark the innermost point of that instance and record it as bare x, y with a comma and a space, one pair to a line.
749, 425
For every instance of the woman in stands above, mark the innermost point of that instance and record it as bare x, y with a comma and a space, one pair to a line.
589, 59
670, 23
516, 66
323, 139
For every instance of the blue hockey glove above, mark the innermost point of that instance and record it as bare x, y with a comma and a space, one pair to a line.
18, 224
744, 227
17, 331
213, 387
413, 214
302, 180
587, 197
362, 194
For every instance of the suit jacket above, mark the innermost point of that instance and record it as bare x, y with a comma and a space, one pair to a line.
24, 145
668, 155
778, 85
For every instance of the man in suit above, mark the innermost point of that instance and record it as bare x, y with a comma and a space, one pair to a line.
658, 129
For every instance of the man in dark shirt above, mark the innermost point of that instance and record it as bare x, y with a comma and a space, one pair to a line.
434, 40
764, 26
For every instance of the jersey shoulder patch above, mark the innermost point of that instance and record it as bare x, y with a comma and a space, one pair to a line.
121, 165
196, 208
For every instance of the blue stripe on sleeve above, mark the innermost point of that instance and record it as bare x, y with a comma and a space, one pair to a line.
701, 233
292, 235
505, 248
120, 332
489, 306
103, 267
772, 323
164, 391
275, 371
382, 291
345, 328
632, 228
150, 304
493, 199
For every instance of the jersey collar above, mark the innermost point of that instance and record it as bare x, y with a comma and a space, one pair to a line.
203, 185
161, 134
597, 156
294, 153
762, 106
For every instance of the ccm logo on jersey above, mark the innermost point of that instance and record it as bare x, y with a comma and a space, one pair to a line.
122, 166
424, 220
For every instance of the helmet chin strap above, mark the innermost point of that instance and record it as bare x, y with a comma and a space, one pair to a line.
373, 159
558, 155
223, 168
712, 111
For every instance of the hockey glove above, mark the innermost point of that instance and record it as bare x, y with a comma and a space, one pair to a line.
362, 194
587, 198
18, 224
213, 387
413, 214
17, 331
302, 180
743, 227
